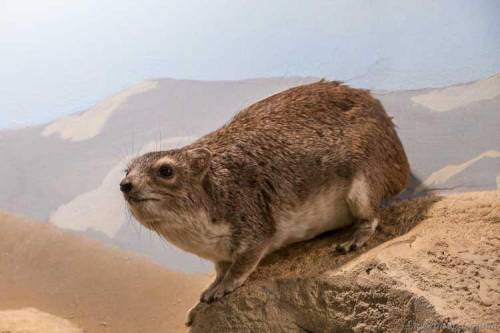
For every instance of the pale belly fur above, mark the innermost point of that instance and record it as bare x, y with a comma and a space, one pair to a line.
327, 210
195, 233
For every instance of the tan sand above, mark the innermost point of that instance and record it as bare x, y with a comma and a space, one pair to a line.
97, 287
31, 320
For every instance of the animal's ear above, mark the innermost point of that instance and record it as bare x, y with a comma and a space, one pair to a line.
199, 160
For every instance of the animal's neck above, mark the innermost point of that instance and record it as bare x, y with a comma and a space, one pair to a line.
216, 187
195, 233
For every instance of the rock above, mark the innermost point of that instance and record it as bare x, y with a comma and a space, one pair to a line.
434, 264
30, 320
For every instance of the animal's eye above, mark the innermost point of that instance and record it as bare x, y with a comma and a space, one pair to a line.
126, 171
166, 171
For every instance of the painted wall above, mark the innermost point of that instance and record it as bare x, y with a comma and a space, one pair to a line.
59, 57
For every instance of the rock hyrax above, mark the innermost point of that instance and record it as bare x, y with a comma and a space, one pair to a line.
313, 158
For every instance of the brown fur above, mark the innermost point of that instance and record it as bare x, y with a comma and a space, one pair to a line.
271, 158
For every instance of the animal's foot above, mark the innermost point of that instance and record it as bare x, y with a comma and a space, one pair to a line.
205, 295
364, 231
218, 291
346, 247
356, 242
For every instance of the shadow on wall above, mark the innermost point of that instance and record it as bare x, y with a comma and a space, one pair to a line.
411, 190
415, 189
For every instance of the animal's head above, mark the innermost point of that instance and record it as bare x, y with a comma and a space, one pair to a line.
158, 185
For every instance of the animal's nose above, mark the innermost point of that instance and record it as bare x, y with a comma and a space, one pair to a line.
126, 186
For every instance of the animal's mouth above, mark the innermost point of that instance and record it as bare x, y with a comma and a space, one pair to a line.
139, 199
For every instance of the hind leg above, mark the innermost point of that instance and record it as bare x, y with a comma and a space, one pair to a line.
363, 204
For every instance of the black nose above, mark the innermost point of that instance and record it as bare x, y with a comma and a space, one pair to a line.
126, 186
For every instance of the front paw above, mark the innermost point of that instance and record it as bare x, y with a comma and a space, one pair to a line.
207, 294
218, 291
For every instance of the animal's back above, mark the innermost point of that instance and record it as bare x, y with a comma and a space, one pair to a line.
323, 129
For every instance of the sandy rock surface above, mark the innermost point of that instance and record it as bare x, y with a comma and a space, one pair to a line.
435, 263
30, 320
